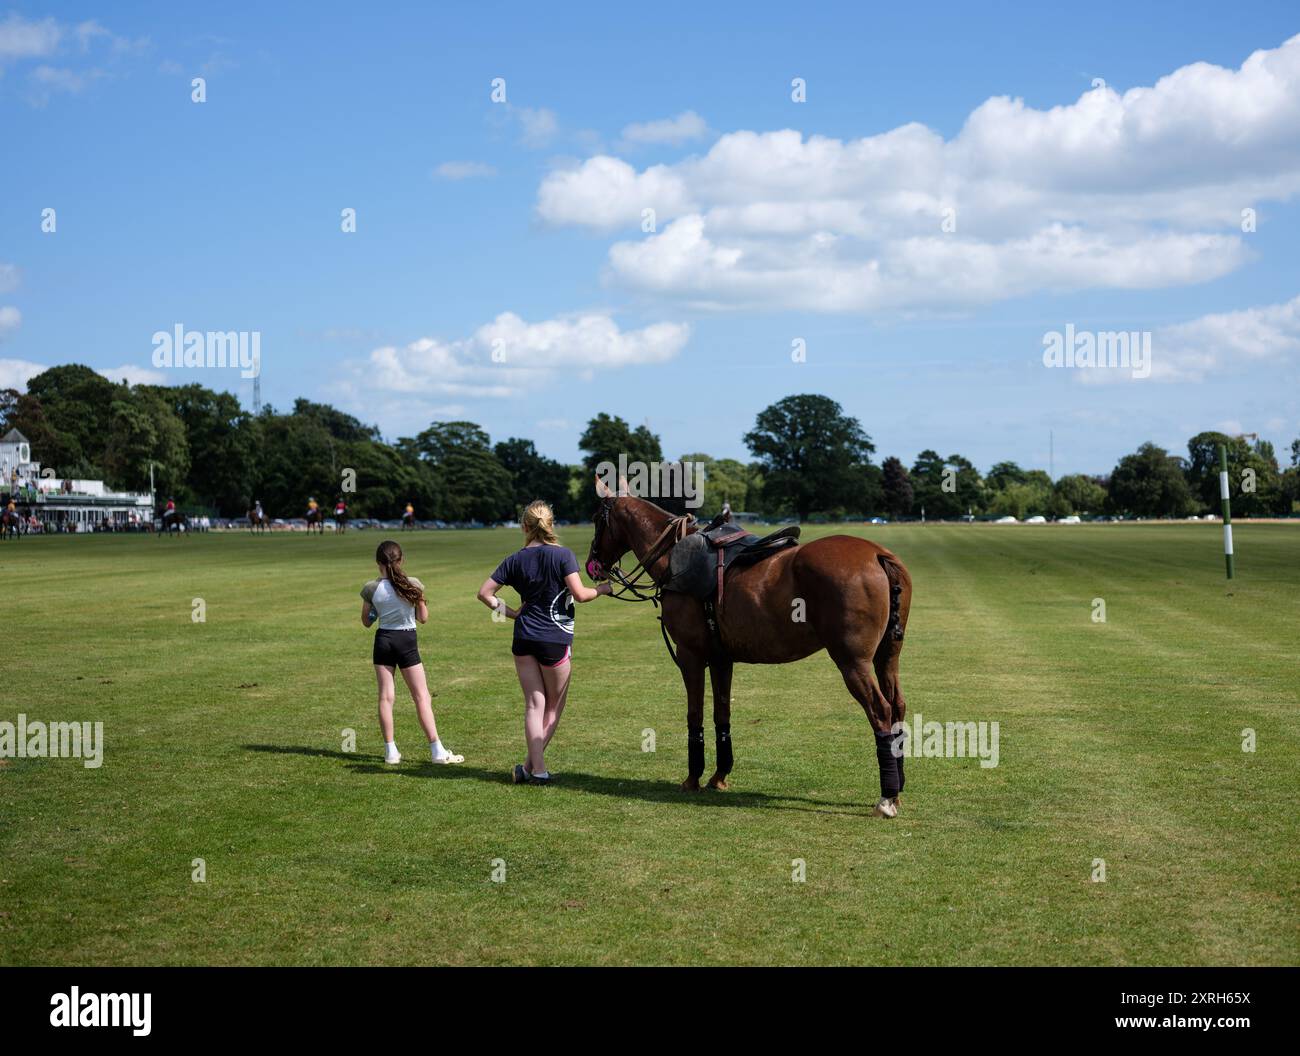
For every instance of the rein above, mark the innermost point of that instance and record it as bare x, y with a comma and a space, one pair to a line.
674, 532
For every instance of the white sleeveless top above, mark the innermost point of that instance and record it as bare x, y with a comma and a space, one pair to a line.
395, 612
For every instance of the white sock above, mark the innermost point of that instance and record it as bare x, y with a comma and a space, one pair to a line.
390, 748
543, 774
437, 750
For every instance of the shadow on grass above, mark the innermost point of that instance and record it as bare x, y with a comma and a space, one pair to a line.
649, 790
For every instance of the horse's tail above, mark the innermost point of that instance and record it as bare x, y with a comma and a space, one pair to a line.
900, 595
885, 660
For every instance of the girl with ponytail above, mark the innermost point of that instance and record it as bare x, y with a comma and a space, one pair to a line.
396, 601
545, 574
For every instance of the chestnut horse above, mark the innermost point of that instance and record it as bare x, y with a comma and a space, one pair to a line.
10, 525
317, 518
839, 593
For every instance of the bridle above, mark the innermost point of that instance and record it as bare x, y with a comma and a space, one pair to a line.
631, 587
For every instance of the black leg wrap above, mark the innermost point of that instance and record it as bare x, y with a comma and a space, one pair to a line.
695, 751
723, 730
891, 772
901, 780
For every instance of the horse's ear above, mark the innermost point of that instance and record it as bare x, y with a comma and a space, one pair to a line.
602, 489
623, 487
726, 513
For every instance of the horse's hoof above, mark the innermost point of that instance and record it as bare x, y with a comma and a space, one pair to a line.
691, 784
718, 781
886, 808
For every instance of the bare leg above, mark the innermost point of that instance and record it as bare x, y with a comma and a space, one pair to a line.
384, 677
556, 680
530, 681
419, 687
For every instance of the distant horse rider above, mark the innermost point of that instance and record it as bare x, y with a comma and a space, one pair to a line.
312, 507
341, 514
408, 517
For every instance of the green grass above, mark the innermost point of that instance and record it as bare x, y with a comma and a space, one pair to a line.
1120, 741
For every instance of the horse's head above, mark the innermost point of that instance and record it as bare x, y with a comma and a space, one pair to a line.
610, 541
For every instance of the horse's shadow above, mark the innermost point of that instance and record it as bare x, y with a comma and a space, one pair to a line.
647, 789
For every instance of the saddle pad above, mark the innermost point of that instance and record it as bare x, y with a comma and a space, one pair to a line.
692, 568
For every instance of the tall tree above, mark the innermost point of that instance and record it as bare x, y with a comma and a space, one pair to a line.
945, 488
473, 485
534, 476
606, 437
1151, 483
1077, 493
814, 456
897, 487
1253, 476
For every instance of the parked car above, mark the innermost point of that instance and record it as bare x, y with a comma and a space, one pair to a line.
1008, 519
877, 520
1036, 519
1072, 519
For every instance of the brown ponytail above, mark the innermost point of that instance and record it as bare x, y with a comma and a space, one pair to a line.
389, 558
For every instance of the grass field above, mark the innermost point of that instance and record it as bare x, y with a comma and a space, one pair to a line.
1119, 741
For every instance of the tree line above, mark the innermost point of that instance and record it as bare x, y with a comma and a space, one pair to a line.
808, 460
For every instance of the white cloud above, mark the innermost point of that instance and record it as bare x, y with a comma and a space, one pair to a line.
672, 131
509, 356
538, 126
608, 193
50, 79
16, 373
10, 319
1222, 345
464, 170
1136, 190
133, 375
22, 38
1227, 343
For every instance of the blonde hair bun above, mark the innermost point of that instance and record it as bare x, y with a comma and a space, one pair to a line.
539, 523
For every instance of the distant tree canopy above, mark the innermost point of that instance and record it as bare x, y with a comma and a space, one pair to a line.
606, 438
810, 459
814, 457
1151, 483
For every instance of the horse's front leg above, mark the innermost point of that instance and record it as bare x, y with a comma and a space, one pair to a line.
693, 676
720, 675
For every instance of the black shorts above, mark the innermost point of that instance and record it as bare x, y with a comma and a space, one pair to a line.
548, 654
396, 649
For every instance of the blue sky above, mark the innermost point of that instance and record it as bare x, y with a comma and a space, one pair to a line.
516, 227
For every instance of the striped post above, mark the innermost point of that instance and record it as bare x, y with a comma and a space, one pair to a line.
1227, 508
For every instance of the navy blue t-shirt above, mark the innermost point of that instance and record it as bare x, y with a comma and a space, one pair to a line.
537, 573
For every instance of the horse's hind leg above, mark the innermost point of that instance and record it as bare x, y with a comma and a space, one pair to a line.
861, 682
720, 675
693, 676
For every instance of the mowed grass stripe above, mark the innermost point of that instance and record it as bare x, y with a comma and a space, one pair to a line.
318, 856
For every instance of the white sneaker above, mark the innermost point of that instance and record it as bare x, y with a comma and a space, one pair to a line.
393, 757
447, 757
886, 808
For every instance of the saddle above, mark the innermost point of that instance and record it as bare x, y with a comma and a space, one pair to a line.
699, 563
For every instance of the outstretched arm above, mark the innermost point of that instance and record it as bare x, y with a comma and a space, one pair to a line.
582, 592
